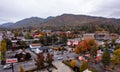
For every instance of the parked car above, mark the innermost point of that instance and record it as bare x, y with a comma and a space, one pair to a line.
60, 58
8, 66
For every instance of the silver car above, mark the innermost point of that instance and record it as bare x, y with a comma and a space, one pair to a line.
7, 66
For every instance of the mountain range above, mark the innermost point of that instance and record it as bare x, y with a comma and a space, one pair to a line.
69, 20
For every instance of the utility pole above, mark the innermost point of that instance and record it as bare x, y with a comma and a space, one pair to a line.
12, 67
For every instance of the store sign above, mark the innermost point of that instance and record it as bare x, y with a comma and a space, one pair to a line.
13, 60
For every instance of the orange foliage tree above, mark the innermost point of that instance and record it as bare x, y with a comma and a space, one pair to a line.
73, 63
85, 45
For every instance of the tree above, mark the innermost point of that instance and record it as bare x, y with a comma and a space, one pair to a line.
23, 44
27, 56
85, 45
42, 39
113, 42
78, 49
8, 43
117, 47
106, 58
93, 52
49, 39
21, 69
63, 39
28, 36
49, 59
83, 66
3, 51
116, 57
39, 61
73, 63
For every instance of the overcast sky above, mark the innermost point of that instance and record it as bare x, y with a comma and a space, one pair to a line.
15, 10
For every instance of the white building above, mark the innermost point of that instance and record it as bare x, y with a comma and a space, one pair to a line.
73, 42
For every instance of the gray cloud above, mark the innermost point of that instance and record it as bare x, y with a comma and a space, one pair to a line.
14, 10
109, 8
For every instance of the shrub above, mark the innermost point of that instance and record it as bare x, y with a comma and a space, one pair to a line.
73, 63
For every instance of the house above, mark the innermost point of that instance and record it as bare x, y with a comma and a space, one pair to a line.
117, 41
87, 70
30, 40
45, 49
88, 35
114, 36
58, 47
14, 42
73, 42
103, 35
33, 47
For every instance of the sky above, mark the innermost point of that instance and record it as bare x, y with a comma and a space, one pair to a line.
15, 10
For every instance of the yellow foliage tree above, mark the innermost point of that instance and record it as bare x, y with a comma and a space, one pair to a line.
3, 50
73, 63
116, 57
21, 69
3, 46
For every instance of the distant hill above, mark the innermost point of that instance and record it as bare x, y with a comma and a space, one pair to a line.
76, 20
69, 21
6, 25
28, 22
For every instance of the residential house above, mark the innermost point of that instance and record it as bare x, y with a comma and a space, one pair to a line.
88, 35
102, 35
73, 42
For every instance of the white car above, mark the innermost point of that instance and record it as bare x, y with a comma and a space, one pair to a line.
8, 66
60, 58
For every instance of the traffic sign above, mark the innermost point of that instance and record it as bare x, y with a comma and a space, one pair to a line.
13, 60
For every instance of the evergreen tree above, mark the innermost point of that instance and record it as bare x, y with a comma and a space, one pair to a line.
93, 52
84, 66
106, 58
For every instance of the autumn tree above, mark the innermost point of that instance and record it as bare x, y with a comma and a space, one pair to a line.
85, 45
39, 61
49, 59
116, 57
21, 69
106, 58
83, 66
73, 63
3, 51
